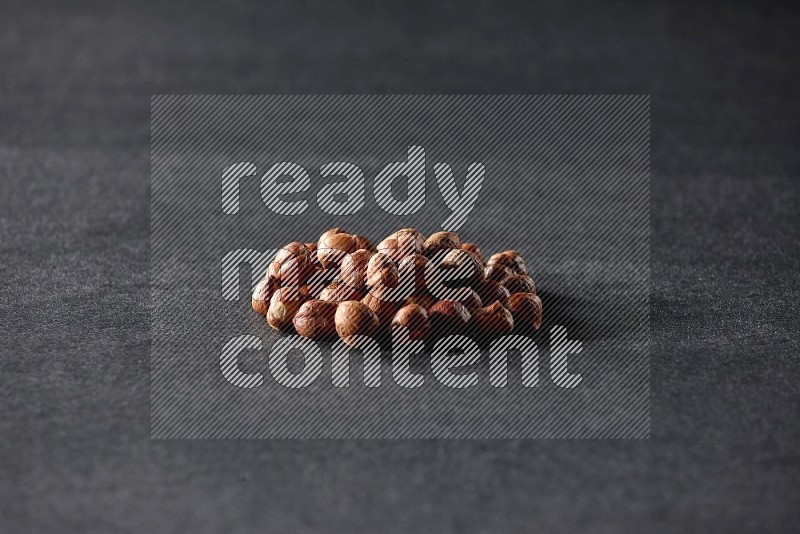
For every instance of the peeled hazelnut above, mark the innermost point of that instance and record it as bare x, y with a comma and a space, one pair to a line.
382, 271
421, 299
448, 317
526, 308
315, 320
330, 232
520, 283
339, 292
441, 241
363, 242
414, 319
402, 243
354, 269
473, 249
384, 309
510, 259
415, 267
497, 272
291, 265
262, 294
490, 291
459, 268
493, 320
332, 248
354, 318
283, 306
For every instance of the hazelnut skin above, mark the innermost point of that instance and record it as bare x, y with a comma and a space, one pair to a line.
354, 318
490, 292
354, 269
402, 243
262, 294
363, 242
526, 308
312, 250
332, 248
315, 320
461, 268
520, 283
497, 272
283, 306
441, 241
493, 320
291, 265
469, 298
426, 301
509, 258
339, 292
382, 271
473, 249
414, 319
420, 266
448, 317
384, 309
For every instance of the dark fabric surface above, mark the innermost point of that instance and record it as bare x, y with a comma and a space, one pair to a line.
75, 452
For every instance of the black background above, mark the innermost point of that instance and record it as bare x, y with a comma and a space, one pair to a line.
75, 452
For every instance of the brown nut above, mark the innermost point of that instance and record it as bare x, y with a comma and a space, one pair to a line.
315, 320
339, 292
490, 292
291, 265
283, 306
459, 268
312, 251
497, 272
510, 259
469, 298
415, 269
354, 269
473, 249
363, 242
262, 294
526, 308
448, 317
421, 299
493, 320
414, 319
382, 272
520, 283
441, 241
332, 248
402, 243
384, 309
319, 280
354, 318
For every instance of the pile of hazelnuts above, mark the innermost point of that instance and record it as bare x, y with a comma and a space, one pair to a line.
344, 286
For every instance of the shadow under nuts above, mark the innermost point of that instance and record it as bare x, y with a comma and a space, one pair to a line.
315, 320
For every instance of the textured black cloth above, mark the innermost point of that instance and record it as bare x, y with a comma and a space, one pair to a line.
75, 451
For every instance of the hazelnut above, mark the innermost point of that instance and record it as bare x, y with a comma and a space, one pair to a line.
492, 320
469, 298
263, 293
354, 318
339, 292
312, 251
459, 268
520, 283
319, 281
441, 241
332, 248
510, 259
420, 266
414, 319
497, 272
363, 242
448, 317
384, 309
291, 265
382, 272
421, 299
473, 249
526, 308
354, 269
315, 320
282, 308
402, 243
490, 292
